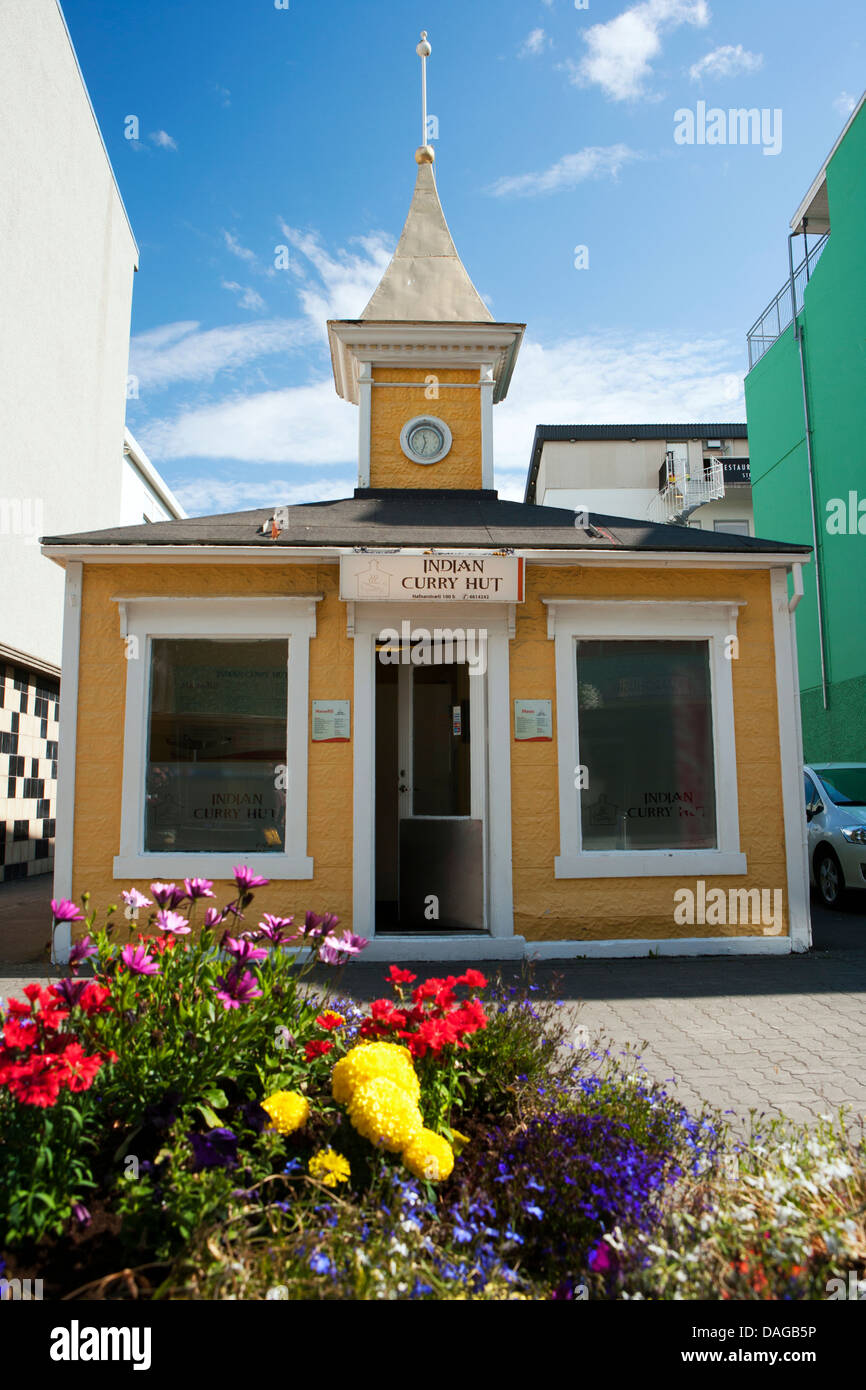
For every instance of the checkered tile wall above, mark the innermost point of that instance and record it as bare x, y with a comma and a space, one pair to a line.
28, 771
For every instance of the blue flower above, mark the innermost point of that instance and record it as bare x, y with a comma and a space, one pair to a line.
320, 1264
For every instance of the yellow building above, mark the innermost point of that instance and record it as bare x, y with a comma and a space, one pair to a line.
472, 728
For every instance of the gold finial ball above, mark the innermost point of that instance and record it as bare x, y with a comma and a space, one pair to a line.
425, 154
423, 50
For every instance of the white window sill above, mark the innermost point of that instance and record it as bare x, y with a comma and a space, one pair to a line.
649, 864
181, 865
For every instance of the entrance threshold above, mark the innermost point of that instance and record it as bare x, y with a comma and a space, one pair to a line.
443, 946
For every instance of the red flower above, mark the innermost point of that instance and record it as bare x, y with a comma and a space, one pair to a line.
436, 1033
316, 1048
94, 999
36, 1082
430, 988
401, 977
79, 1068
474, 979
20, 1032
329, 1021
383, 1011
469, 1017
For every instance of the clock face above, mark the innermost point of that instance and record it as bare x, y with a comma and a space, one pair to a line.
425, 439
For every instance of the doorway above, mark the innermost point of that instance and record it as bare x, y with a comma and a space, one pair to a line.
430, 778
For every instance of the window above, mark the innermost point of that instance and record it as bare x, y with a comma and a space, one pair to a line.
732, 528
217, 742
813, 800
645, 736
215, 736
646, 742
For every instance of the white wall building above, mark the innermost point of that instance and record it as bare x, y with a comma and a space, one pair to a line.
696, 473
67, 259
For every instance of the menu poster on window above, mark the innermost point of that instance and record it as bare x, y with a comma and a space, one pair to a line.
331, 721
533, 721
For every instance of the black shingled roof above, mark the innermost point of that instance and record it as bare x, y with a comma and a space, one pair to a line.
378, 518
567, 434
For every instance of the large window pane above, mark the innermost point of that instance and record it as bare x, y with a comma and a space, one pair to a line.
216, 740
646, 739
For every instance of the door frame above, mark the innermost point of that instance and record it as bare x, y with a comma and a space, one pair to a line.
365, 622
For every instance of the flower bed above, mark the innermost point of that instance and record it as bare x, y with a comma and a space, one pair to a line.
205, 1117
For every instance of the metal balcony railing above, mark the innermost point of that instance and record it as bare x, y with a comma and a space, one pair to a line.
679, 496
778, 313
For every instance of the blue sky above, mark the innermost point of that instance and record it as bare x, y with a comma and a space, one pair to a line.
261, 127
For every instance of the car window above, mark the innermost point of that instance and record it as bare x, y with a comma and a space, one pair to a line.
812, 797
846, 786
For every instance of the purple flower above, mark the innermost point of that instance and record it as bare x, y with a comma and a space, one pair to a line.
274, 928
168, 895
138, 961
133, 898
213, 917
236, 988
81, 950
336, 950
172, 922
70, 990
244, 951
313, 924
216, 1149
246, 879
602, 1259
65, 911
198, 888
81, 1214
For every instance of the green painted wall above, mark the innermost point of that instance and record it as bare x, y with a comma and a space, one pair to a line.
833, 320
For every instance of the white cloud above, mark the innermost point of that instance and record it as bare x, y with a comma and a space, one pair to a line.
596, 161
845, 104
621, 52
304, 425
533, 44
342, 283
727, 61
242, 252
163, 140
247, 298
614, 380
209, 496
182, 352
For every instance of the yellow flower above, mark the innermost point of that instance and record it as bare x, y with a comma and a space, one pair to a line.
429, 1156
289, 1110
458, 1141
329, 1167
383, 1112
369, 1060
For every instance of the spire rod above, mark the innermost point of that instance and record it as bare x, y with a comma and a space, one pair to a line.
424, 154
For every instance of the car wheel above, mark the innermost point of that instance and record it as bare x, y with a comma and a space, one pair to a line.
830, 879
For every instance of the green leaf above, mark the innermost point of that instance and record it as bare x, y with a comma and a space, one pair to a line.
210, 1116
215, 1097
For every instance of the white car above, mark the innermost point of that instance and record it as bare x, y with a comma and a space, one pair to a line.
836, 817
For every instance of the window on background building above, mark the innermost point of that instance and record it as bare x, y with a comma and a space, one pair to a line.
645, 736
217, 733
732, 528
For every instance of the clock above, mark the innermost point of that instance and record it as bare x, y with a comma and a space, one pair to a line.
425, 439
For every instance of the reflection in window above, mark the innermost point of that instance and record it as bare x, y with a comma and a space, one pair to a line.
645, 736
217, 745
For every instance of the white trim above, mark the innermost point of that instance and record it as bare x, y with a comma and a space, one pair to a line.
501, 890
487, 384
394, 946
365, 419
364, 780
292, 618
662, 946
449, 343
66, 750
791, 759
571, 619
154, 480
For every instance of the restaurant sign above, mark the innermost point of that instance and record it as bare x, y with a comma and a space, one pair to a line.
437, 578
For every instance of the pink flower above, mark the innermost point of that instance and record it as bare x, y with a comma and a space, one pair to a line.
133, 898
81, 950
138, 961
198, 888
246, 879
213, 917
65, 911
274, 928
243, 951
172, 922
168, 895
237, 988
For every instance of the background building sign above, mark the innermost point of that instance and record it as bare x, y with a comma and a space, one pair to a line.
437, 578
331, 721
736, 471
533, 721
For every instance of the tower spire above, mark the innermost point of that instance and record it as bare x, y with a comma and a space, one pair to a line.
424, 154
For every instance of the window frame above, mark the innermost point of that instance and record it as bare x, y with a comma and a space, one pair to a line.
281, 617
570, 620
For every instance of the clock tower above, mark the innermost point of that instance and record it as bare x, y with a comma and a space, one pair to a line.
425, 362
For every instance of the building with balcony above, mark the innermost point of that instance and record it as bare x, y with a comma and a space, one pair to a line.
696, 475
806, 408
